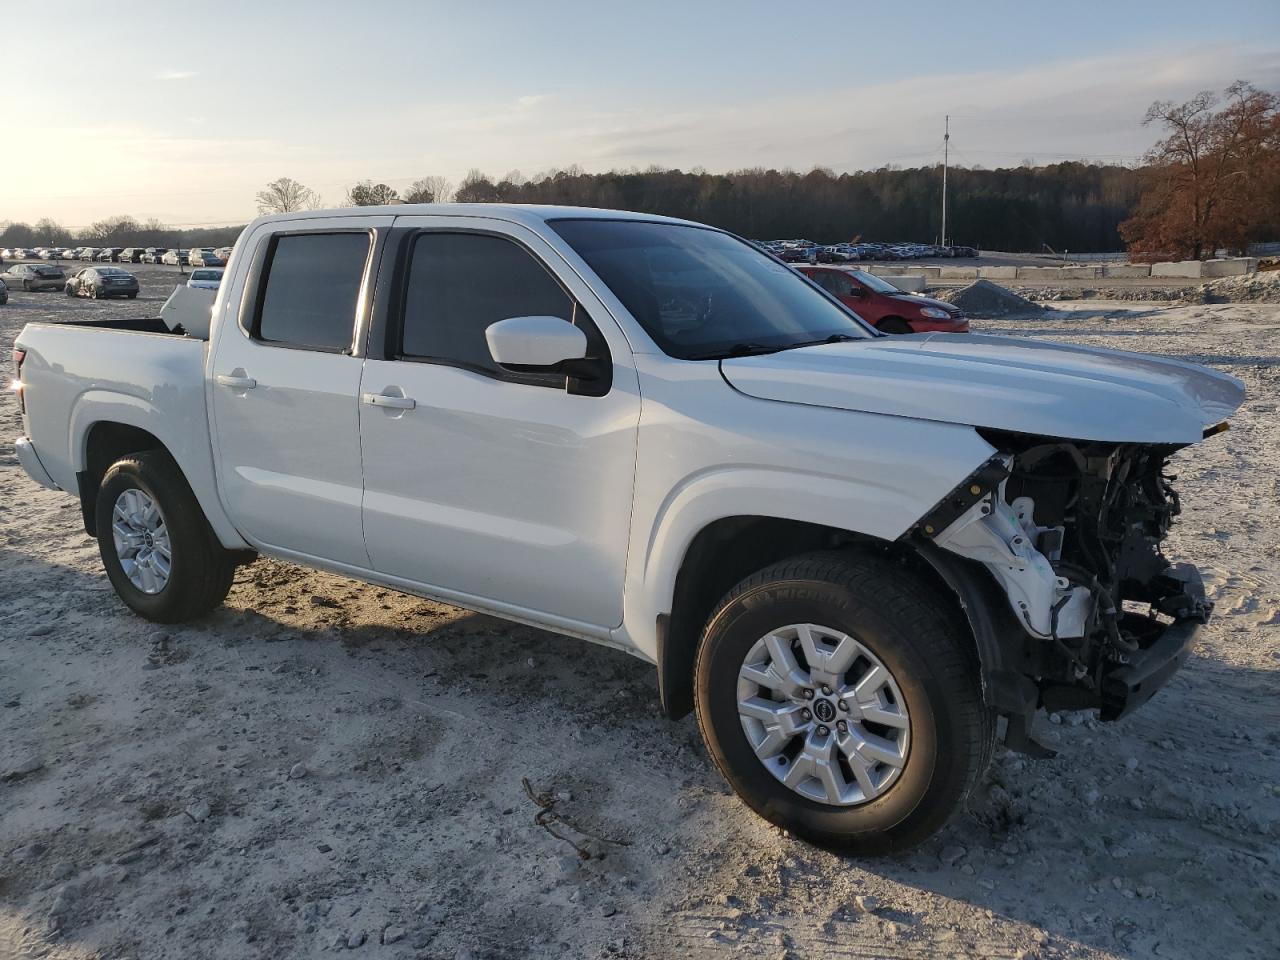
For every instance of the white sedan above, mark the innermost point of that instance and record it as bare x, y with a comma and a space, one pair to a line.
206, 278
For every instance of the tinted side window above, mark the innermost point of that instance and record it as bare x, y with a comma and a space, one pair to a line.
310, 290
460, 283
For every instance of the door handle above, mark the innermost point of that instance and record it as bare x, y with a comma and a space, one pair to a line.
382, 400
235, 383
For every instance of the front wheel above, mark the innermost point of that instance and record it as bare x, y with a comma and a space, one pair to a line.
842, 703
157, 547
69, 290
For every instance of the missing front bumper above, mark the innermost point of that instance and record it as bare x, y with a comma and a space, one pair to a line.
1132, 684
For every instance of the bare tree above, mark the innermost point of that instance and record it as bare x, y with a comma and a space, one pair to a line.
434, 189
286, 196
366, 193
51, 232
121, 229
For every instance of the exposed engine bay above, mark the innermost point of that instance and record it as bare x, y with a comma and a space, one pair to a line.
1072, 532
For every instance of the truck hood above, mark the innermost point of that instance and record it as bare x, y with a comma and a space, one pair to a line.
1004, 383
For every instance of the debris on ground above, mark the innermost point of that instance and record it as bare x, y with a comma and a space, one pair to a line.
982, 298
1250, 288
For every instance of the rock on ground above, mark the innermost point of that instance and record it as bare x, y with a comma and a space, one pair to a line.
984, 299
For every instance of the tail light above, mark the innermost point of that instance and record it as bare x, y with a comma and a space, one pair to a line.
18, 356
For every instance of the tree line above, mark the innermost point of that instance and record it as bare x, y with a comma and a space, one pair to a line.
120, 231
1065, 206
1073, 206
1213, 181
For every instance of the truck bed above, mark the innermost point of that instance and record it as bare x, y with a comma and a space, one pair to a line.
78, 373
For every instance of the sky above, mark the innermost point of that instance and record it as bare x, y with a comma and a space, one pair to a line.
183, 111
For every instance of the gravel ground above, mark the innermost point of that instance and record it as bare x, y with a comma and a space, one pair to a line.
323, 766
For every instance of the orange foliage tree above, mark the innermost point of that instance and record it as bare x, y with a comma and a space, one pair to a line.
1214, 180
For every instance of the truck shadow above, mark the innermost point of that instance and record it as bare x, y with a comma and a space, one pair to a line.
1114, 845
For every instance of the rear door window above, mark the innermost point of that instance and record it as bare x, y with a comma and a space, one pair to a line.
310, 290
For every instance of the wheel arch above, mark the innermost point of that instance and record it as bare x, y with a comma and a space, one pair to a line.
891, 320
729, 549
106, 426
105, 442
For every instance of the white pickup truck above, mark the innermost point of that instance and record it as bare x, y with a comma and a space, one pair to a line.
850, 553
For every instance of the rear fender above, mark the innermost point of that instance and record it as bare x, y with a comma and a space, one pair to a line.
187, 443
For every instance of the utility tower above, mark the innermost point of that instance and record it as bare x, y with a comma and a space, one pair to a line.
946, 145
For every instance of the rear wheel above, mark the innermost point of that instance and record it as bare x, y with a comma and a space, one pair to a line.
893, 325
841, 703
157, 547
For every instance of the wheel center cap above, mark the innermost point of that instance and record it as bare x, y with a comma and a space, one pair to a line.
824, 711
148, 539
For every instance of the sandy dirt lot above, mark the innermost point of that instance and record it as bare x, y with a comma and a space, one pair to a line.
322, 766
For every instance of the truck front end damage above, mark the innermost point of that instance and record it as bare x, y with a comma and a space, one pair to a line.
1071, 532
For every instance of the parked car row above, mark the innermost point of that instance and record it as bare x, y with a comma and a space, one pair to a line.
96, 283
806, 251
197, 257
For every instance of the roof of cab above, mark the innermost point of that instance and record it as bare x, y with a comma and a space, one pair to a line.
528, 214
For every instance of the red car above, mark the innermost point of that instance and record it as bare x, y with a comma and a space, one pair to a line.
883, 305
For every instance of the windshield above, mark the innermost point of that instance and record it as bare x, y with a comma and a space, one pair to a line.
206, 275
873, 282
701, 293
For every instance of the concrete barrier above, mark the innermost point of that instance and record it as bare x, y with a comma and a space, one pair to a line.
889, 272
1079, 273
1127, 270
1047, 274
1179, 269
957, 273
1233, 267
998, 273
908, 284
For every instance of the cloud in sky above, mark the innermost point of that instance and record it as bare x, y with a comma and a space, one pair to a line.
1087, 107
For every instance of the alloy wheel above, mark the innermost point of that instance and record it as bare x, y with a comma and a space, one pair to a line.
141, 541
823, 714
